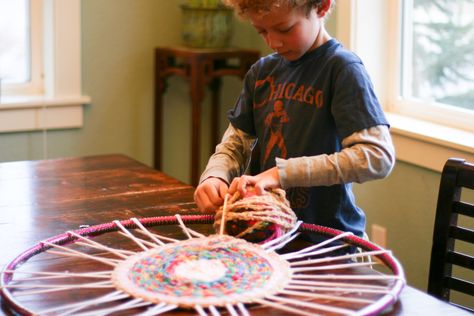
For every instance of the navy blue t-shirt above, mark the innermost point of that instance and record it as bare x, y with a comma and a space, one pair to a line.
305, 108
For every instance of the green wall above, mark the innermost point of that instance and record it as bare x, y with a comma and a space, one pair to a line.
404, 203
118, 37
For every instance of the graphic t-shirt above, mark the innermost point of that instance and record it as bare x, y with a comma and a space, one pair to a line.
305, 108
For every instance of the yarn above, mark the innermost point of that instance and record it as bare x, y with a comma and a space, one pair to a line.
257, 218
229, 270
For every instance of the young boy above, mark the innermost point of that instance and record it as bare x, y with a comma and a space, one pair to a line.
312, 110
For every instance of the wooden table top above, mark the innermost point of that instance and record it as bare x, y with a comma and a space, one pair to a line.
41, 199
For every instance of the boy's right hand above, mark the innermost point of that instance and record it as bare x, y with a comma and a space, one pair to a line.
210, 194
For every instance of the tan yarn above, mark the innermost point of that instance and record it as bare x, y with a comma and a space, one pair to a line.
271, 207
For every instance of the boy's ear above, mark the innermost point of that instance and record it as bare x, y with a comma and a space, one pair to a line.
324, 8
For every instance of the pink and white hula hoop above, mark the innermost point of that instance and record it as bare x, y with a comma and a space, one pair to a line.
135, 266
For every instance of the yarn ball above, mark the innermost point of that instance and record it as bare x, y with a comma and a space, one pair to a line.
257, 218
255, 231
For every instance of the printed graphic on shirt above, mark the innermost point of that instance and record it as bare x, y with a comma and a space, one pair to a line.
275, 121
298, 197
274, 97
291, 91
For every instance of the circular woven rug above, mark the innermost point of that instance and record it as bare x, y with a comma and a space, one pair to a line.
206, 271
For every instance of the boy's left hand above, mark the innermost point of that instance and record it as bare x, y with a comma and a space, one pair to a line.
269, 179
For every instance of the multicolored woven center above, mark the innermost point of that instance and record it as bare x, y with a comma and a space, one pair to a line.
203, 270
244, 271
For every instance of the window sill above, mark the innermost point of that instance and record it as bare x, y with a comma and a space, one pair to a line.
18, 114
429, 145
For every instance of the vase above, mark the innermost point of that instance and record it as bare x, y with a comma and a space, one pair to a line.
206, 27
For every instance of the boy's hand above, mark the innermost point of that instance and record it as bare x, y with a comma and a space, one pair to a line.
268, 179
209, 195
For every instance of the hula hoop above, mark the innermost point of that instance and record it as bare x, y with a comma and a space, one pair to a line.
12, 284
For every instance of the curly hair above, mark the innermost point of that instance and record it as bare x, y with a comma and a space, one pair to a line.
242, 7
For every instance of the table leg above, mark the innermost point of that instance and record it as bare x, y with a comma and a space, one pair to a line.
197, 95
158, 111
215, 113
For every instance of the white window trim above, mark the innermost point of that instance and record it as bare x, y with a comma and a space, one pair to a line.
370, 29
60, 105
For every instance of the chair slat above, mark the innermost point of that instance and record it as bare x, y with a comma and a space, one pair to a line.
465, 178
461, 259
463, 208
461, 233
459, 285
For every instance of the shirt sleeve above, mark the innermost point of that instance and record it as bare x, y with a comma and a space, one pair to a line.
366, 155
232, 155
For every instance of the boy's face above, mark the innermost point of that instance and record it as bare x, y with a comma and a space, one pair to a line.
289, 32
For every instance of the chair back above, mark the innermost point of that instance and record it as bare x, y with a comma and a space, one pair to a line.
448, 235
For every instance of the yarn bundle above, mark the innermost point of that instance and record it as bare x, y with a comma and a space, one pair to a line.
256, 218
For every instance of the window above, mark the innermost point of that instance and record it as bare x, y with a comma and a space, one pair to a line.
437, 60
427, 96
20, 47
46, 94
15, 34
438, 46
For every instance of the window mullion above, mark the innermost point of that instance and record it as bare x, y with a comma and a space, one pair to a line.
406, 49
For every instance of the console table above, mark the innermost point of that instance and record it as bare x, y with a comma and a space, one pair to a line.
201, 68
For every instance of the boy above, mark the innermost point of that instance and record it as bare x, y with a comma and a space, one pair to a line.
312, 110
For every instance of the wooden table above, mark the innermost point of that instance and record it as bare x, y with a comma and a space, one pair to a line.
40, 199
201, 68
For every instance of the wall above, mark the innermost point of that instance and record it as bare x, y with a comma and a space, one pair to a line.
405, 206
118, 37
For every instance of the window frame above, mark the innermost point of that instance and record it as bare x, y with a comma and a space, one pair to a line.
58, 102
426, 136
434, 112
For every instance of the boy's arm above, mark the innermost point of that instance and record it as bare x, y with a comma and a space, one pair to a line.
231, 157
367, 155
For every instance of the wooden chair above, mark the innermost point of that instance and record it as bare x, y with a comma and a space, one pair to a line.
445, 254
